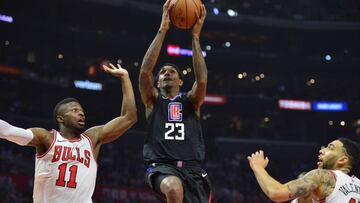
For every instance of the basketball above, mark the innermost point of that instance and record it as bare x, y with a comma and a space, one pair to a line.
183, 15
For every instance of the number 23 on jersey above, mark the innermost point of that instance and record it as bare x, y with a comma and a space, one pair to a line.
175, 131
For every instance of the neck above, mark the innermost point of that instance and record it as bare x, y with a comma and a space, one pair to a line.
68, 132
169, 92
345, 170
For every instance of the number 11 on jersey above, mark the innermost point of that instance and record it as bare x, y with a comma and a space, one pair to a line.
178, 128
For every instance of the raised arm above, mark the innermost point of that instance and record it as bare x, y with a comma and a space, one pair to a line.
198, 90
146, 83
37, 137
128, 116
277, 192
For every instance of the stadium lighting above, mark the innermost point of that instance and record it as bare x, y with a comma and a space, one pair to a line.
328, 57
231, 13
216, 11
175, 50
5, 18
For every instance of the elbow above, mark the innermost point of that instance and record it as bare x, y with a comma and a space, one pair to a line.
132, 117
201, 83
275, 196
145, 72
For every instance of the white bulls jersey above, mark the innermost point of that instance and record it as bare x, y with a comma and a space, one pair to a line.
66, 173
347, 190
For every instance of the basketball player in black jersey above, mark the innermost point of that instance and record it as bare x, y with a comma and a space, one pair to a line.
174, 146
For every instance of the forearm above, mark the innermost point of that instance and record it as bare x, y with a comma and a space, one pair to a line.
153, 52
128, 107
199, 64
14, 134
271, 187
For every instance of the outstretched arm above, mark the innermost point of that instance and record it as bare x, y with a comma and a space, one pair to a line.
198, 91
128, 117
37, 137
282, 192
146, 84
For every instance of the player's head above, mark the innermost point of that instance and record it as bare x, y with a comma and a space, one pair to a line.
340, 153
68, 112
169, 75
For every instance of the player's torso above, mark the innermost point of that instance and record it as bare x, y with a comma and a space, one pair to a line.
67, 172
347, 189
174, 131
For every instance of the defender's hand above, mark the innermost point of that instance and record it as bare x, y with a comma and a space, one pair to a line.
257, 160
116, 71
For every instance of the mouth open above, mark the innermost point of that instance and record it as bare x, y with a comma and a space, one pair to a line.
320, 161
81, 122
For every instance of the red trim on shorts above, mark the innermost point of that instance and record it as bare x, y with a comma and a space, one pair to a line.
54, 132
92, 146
210, 197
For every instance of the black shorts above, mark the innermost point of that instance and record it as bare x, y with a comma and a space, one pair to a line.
195, 181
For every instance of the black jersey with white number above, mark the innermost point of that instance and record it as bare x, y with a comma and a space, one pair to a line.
174, 131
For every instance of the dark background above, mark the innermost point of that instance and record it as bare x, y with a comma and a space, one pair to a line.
52, 43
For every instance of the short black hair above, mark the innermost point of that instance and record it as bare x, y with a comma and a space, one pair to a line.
172, 65
60, 103
352, 148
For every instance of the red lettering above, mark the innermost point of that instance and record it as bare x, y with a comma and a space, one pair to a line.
57, 153
72, 156
79, 158
87, 158
66, 154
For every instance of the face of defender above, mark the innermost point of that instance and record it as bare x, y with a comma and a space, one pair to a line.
332, 155
73, 116
168, 77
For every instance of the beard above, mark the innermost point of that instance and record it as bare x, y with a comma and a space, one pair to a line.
329, 164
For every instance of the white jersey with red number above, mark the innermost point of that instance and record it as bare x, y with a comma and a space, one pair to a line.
66, 173
347, 189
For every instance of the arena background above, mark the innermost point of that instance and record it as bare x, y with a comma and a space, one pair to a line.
260, 54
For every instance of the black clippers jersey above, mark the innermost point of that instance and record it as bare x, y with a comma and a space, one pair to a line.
174, 131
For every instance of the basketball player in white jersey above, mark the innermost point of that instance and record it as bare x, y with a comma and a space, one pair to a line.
65, 165
330, 183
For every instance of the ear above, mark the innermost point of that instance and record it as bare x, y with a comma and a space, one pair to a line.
59, 119
158, 84
181, 82
343, 160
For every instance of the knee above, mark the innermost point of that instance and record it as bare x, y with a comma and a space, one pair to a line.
172, 187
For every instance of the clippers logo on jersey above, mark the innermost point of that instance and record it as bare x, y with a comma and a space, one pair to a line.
174, 111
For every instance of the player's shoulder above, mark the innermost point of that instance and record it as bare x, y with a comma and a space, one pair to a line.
321, 175
42, 132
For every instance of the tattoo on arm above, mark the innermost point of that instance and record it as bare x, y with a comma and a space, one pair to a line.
328, 183
318, 179
305, 185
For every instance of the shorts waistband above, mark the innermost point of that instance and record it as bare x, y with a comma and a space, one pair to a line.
178, 163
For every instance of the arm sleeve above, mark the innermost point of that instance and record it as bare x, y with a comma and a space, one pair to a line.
14, 134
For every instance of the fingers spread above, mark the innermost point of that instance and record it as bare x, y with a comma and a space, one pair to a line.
112, 66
